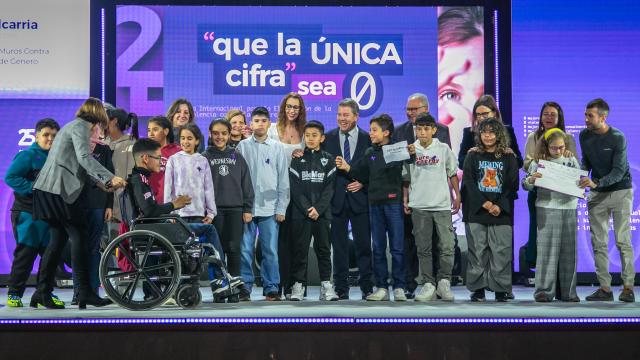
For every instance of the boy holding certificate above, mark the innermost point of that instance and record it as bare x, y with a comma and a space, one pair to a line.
557, 224
385, 208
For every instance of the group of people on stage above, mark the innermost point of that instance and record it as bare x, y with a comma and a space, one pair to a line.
290, 181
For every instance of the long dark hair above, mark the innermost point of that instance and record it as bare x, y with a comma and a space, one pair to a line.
496, 127
195, 130
125, 120
488, 101
560, 124
215, 122
164, 123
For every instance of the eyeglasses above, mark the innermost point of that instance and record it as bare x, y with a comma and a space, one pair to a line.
154, 157
414, 109
483, 115
292, 107
557, 148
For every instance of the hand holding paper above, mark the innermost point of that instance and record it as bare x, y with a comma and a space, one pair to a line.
395, 152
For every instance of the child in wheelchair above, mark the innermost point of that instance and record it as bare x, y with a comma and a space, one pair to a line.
147, 157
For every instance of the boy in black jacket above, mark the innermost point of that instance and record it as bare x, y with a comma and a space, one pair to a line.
386, 211
312, 178
147, 155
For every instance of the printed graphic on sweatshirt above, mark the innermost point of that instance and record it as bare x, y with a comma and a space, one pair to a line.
490, 176
427, 160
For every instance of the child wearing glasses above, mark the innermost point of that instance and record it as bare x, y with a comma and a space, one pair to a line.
556, 224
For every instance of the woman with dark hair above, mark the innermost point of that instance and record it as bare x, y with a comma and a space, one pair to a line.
485, 108
288, 130
551, 116
181, 113
121, 144
159, 129
57, 200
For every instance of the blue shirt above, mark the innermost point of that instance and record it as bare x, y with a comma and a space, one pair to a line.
269, 171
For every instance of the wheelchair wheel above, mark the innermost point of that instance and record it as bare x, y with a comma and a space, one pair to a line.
140, 270
188, 296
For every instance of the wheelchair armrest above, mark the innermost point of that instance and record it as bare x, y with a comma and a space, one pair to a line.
175, 217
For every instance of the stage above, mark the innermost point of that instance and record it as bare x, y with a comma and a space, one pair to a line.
522, 310
312, 329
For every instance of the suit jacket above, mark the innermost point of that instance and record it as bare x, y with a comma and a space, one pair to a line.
405, 132
70, 163
359, 200
468, 141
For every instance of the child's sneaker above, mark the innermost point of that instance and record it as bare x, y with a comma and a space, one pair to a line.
14, 301
245, 294
398, 295
444, 290
297, 292
381, 294
478, 296
327, 293
427, 293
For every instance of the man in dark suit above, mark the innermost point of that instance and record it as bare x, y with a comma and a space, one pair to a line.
349, 203
416, 105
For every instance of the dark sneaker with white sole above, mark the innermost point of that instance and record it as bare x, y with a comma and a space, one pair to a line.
600, 295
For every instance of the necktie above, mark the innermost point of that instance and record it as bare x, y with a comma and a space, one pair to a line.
347, 149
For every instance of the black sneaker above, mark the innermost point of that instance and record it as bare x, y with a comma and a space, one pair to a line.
365, 294
410, 295
245, 294
342, 294
478, 296
627, 295
502, 296
600, 295
510, 295
272, 296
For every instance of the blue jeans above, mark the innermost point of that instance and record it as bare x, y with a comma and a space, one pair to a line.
388, 218
95, 225
267, 229
208, 234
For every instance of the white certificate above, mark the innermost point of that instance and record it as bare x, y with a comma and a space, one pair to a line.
560, 178
395, 152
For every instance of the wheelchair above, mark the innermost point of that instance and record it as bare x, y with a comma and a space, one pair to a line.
158, 259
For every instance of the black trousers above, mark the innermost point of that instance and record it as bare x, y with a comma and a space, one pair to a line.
340, 241
412, 265
23, 258
304, 229
229, 225
78, 234
285, 251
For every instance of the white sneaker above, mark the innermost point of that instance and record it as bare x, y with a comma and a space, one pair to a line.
444, 290
398, 295
427, 293
380, 294
327, 293
297, 292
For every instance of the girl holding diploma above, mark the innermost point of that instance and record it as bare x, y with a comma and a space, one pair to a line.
556, 225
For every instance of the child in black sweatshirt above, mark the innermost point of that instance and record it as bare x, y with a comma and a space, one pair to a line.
489, 186
386, 211
234, 191
311, 178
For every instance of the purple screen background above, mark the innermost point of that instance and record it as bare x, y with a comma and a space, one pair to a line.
572, 52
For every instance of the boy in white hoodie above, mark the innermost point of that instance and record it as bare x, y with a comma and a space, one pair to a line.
428, 180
